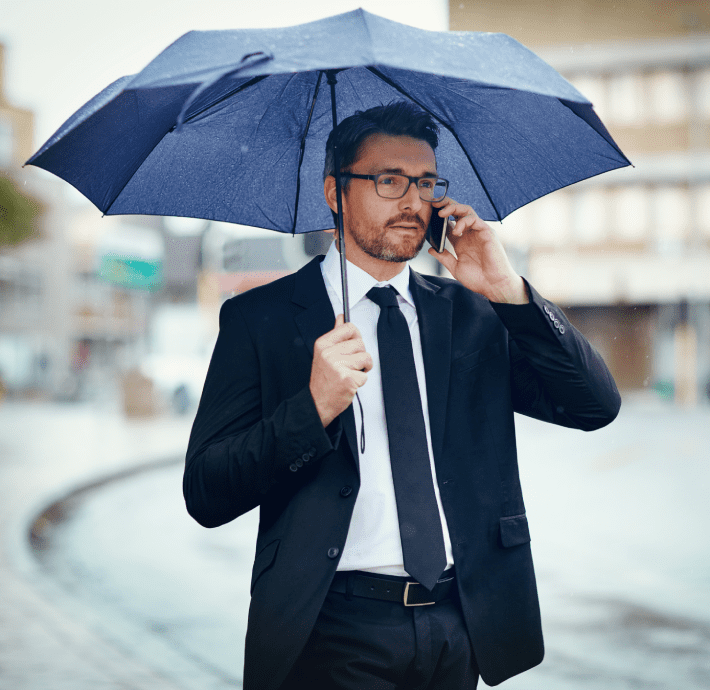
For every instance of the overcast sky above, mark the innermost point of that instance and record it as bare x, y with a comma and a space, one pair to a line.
59, 53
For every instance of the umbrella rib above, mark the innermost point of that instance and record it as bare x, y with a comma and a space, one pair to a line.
396, 86
303, 150
234, 92
241, 87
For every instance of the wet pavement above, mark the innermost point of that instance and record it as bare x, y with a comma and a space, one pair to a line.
130, 551
619, 520
48, 640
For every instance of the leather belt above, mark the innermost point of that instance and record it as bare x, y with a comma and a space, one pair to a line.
402, 590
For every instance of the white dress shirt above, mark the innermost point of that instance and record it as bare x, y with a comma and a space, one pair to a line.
373, 543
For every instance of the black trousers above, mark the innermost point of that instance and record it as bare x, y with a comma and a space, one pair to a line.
369, 644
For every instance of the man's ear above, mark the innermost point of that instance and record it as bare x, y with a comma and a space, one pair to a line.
330, 193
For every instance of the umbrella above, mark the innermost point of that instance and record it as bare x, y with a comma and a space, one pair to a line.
231, 125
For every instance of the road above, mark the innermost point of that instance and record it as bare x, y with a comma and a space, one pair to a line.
619, 520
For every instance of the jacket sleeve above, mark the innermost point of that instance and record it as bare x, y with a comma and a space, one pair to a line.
235, 454
556, 375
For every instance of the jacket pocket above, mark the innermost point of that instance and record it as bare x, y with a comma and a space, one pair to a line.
263, 561
475, 358
514, 530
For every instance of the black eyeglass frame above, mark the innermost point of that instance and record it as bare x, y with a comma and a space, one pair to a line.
412, 180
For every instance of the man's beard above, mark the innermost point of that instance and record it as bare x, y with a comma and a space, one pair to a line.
377, 244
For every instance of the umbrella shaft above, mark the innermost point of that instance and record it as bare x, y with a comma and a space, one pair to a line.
332, 81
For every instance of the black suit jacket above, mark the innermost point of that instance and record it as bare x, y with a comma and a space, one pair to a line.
257, 440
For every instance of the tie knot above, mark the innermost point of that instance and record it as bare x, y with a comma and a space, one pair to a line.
384, 296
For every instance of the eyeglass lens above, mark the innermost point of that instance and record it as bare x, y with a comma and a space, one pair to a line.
396, 186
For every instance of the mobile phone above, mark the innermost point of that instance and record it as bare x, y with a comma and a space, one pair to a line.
435, 234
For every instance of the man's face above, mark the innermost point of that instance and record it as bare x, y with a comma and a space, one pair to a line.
391, 230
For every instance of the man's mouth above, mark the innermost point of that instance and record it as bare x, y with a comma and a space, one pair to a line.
413, 224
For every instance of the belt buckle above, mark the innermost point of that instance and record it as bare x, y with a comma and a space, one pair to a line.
406, 596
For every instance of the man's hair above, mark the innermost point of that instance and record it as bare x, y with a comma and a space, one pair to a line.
396, 119
399, 118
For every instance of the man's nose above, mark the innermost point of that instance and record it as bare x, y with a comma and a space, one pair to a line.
411, 200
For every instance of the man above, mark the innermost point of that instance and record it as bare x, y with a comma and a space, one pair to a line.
393, 548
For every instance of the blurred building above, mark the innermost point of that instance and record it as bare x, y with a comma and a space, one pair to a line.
627, 253
92, 304
22, 268
74, 292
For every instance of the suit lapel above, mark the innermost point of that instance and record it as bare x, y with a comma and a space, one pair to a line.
316, 319
435, 325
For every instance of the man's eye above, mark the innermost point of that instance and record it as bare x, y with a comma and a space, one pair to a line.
426, 184
387, 180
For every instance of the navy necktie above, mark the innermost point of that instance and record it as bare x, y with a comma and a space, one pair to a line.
419, 521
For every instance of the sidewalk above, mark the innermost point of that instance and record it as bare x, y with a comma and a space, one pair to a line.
45, 452
619, 520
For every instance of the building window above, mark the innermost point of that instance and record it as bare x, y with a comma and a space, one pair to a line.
6, 143
702, 207
551, 219
590, 216
630, 213
702, 90
668, 97
627, 102
671, 213
515, 230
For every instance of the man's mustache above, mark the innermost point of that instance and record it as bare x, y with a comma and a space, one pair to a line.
406, 218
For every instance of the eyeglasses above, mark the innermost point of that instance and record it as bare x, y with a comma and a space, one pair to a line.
395, 186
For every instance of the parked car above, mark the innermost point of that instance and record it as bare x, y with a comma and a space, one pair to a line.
180, 348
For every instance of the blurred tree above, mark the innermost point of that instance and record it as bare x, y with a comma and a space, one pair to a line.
18, 212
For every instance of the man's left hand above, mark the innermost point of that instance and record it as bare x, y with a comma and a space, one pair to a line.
481, 263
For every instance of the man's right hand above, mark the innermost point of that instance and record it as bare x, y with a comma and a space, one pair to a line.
340, 363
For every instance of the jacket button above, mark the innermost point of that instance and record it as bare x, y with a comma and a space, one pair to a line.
299, 462
562, 328
552, 316
547, 309
312, 452
333, 552
305, 457
557, 323
293, 467
346, 491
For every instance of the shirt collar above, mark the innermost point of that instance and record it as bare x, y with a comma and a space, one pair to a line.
360, 282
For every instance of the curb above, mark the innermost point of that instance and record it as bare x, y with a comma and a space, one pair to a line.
39, 529
30, 533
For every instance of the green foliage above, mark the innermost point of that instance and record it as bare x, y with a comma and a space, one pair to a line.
18, 212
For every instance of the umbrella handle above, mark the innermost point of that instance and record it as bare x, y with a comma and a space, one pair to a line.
266, 56
332, 81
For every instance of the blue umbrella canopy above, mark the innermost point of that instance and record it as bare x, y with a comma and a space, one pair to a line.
231, 125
